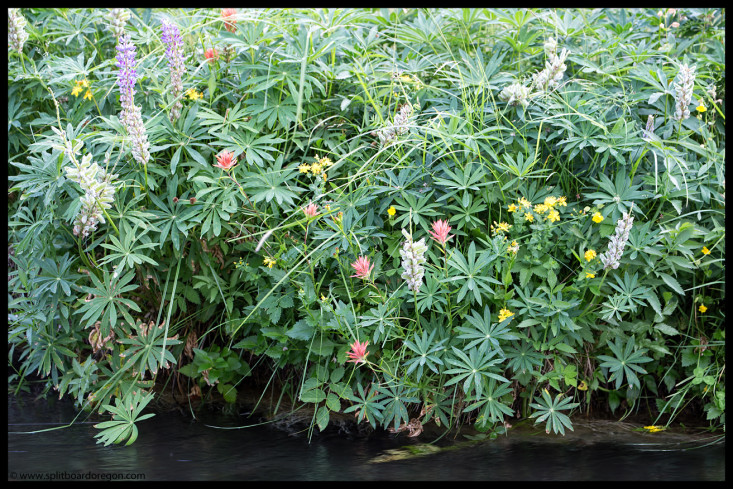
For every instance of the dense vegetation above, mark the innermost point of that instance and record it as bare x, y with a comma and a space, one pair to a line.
450, 216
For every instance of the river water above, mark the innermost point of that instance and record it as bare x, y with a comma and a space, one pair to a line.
173, 447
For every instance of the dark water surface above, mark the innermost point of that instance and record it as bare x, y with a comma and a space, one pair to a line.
172, 447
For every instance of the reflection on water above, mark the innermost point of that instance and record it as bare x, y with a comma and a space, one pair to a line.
174, 448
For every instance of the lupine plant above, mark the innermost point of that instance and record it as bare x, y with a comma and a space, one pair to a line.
408, 216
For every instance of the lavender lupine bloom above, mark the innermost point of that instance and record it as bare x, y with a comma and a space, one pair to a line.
390, 132
174, 52
131, 116
683, 92
616, 245
515, 94
16, 29
117, 19
98, 194
413, 257
646, 133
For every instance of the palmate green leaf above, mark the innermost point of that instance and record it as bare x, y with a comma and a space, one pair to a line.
124, 249
549, 409
107, 299
147, 349
493, 409
125, 414
625, 363
395, 397
368, 405
426, 351
472, 272
472, 368
484, 334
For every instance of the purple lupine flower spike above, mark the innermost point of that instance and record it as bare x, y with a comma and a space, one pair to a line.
131, 116
174, 52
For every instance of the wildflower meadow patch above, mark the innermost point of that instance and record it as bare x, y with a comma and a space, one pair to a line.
410, 216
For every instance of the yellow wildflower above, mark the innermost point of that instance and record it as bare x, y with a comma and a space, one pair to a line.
525, 203
304, 168
500, 227
192, 94
541, 208
504, 314
88, 95
705, 250
654, 429
324, 298
701, 108
590, 275
513, 208
550, 201
76, 90
84, 83
597, 217
590, 254
514, 247
269, 262
563, 201
391, 211
528, 217
316, 168
702, 309
325, 161
553, 215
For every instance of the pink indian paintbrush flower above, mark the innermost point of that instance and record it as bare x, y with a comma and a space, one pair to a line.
440, 231
358, 352
225, 160
363, 267
227, 14
311, 210
211, 54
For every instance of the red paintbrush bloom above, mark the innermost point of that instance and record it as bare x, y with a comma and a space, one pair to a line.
440, 231
211, 54
311, 210
225, 160
363, 267
358, 352
227, 14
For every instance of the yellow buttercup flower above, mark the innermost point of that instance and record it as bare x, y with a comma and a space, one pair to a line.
192, 94
269, 262
528, 217
563, 201
701, 108
553, 215
88, 95
550, 201
500, 227
597, 217
590, 254
76, 90
525, 203
84, 83
702, 309
391, 211
504, 314
590, 275
705, 250
304, 168
513, 208
541, 208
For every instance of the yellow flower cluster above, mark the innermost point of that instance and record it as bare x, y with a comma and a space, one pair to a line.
317, 168
269, 262
705, 250
654, 429
500, 227
549, 206
590, 254
240, 263
597, 217
504, 314
514, 248
192, 94
81, 84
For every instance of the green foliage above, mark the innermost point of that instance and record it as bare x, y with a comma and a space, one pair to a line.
346, 126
